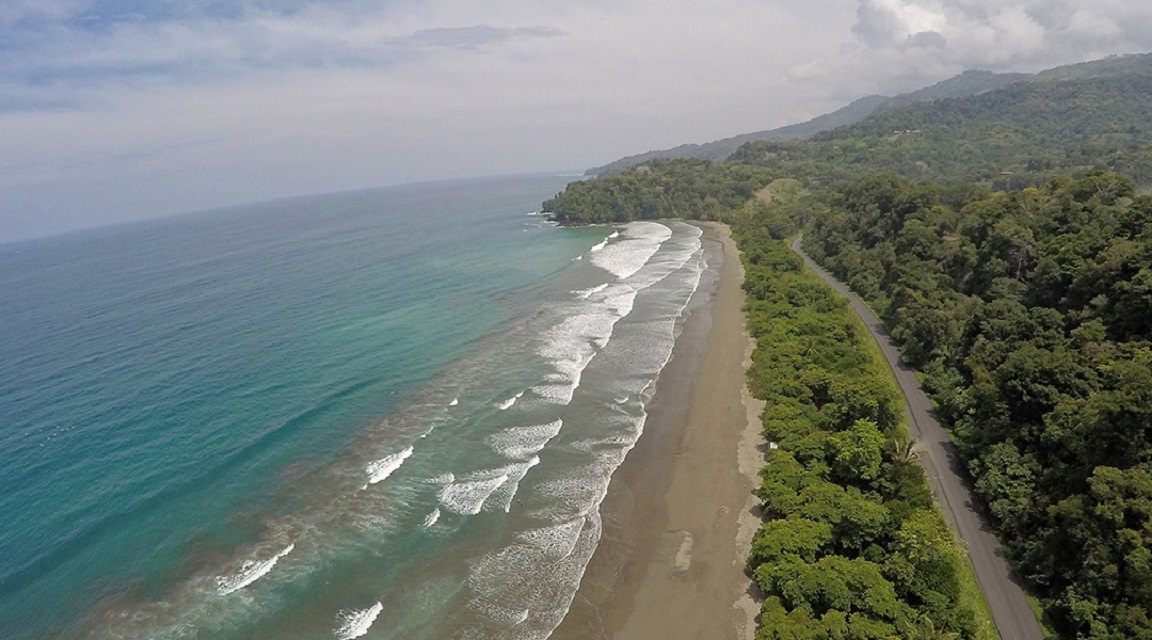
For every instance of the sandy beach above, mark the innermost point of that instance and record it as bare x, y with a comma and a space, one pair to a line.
679, 515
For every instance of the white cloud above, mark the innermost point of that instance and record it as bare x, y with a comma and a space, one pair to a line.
159, 114
1008, 34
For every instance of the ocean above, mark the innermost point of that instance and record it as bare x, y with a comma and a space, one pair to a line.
390, 413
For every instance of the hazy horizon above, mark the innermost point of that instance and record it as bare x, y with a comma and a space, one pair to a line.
272, 201
119, 110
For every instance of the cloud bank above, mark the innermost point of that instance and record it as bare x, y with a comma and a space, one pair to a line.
1001, 35
120, 109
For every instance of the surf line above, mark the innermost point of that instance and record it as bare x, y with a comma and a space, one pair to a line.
356, 622
507, 404
251, 572
379, 470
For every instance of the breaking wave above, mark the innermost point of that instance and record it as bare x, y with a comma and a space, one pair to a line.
379, 470
356, 622
250, 572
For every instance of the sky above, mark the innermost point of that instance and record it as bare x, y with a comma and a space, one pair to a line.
118, 110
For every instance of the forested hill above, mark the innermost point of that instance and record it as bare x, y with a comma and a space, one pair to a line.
966, 84
969, 83
856, 111
1012, 137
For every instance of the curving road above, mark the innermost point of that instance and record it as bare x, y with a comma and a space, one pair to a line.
950, 483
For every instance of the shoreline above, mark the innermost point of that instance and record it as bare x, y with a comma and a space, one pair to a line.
680, 514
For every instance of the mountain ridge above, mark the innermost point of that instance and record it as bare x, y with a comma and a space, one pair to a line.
965, 84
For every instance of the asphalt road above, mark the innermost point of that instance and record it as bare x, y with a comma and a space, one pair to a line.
950, 483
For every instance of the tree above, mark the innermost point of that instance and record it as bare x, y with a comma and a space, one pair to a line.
856, 452
833, 583
791, 536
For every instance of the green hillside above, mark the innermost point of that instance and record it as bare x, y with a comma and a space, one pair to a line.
1016, 136
721, 149
964, 85
969, 83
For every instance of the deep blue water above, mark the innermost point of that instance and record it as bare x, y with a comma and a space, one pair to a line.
187, 404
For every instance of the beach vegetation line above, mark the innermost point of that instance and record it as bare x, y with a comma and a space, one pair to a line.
853, 546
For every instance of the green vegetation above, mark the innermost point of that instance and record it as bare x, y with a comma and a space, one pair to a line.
677, 188
1015, 137
1031, 315
969, 83
721, 149
853, 547
1004, 239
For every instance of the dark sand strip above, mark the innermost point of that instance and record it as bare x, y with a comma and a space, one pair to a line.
678, 518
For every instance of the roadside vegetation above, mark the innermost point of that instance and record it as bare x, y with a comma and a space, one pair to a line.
1030, 314
853, 546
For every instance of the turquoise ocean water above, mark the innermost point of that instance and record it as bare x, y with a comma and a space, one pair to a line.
382, 414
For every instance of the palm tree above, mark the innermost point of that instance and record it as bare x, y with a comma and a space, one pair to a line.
903, 450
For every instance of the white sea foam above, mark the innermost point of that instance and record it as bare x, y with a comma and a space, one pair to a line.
599, 246
467, 497
639, 243
525, 585
614, 441
521, 442
356, 622
454, 402
584, 294
444, 478
503, 616
556, 541
577, 487
580, 492
555, 393
386, 466
570, 345
615, 234
502, 497
250, 572
507, 404
522, 576
489, 489
673, 254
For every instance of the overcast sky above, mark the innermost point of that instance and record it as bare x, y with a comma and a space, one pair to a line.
114, 110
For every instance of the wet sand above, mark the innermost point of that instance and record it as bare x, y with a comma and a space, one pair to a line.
679, 515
